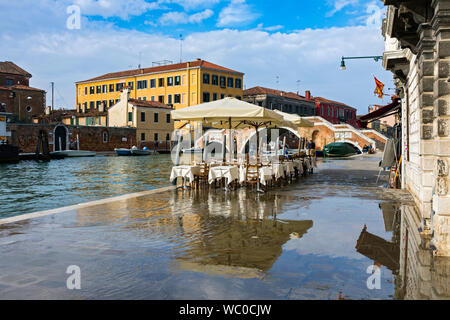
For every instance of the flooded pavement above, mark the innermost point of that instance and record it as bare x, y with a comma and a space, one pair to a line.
314, 239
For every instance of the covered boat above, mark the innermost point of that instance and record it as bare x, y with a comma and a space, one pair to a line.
340, 149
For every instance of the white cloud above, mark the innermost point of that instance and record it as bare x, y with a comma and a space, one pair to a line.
270, 29
174, 18
237, 13
194, 4
116, 8
339, 5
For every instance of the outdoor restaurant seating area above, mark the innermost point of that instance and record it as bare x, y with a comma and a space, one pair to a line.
261, 175
255, 167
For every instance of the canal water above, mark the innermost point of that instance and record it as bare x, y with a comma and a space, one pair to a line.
324, 237
31, 186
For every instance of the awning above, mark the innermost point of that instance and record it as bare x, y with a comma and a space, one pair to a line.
385, 111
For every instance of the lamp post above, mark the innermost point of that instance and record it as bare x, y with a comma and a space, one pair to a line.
343, 66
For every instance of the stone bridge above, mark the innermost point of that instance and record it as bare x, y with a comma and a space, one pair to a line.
322, 133
325, 132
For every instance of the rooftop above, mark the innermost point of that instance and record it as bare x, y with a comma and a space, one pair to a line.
12, 68
262, 90
320, 99
149, 104
20, 87
177, 66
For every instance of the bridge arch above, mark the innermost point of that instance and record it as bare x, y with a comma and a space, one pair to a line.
242, 149
352, 143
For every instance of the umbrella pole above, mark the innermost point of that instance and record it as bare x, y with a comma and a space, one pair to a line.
258, 186
230, 145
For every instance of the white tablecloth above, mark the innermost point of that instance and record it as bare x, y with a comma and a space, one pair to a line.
230, 173
298, 163
278, 170
186, 172
288, 168
265, 174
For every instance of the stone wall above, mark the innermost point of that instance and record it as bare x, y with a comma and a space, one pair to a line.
425, 101
421, 276
25, 136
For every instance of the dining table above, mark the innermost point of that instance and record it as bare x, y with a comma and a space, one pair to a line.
230, 173
186, 172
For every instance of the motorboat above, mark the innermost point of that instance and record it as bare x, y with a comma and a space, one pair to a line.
143, 152
123, 152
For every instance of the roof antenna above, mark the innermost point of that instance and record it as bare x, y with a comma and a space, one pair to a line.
181, 48
140, 56
298, 86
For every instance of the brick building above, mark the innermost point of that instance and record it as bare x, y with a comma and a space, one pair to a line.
16, 95
288, 102
334, 112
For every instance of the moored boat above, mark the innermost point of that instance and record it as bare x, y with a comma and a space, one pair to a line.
73, 153
123, 152
143, 152
340, 149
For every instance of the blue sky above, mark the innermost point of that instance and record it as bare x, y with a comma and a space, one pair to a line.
287, 45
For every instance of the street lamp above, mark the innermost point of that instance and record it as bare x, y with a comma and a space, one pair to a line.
343, 66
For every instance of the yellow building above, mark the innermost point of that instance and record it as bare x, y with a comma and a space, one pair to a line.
94, 118
179, 85
152, 119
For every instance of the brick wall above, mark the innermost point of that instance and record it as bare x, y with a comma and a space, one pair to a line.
17, 79
25, 136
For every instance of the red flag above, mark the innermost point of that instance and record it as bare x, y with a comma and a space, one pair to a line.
379, 89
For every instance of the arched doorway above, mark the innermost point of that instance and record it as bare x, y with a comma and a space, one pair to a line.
60, 138
314, 138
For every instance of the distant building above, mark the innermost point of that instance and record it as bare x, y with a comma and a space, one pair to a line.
179, 85
151, 119
390, 120
335, 112
16, 96
280, 100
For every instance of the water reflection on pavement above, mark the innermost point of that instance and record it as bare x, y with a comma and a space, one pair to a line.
308, 240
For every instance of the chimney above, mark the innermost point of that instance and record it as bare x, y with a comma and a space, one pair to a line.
83, 108
308, 94
101, 108
125, 94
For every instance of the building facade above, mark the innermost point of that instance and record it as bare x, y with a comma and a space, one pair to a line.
417, 38
16, 95
152, 120
335, 112
179, 85
279, 100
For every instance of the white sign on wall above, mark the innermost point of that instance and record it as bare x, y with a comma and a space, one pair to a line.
3, 133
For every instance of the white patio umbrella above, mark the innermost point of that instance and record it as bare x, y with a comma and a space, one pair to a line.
231, 113
296, 120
